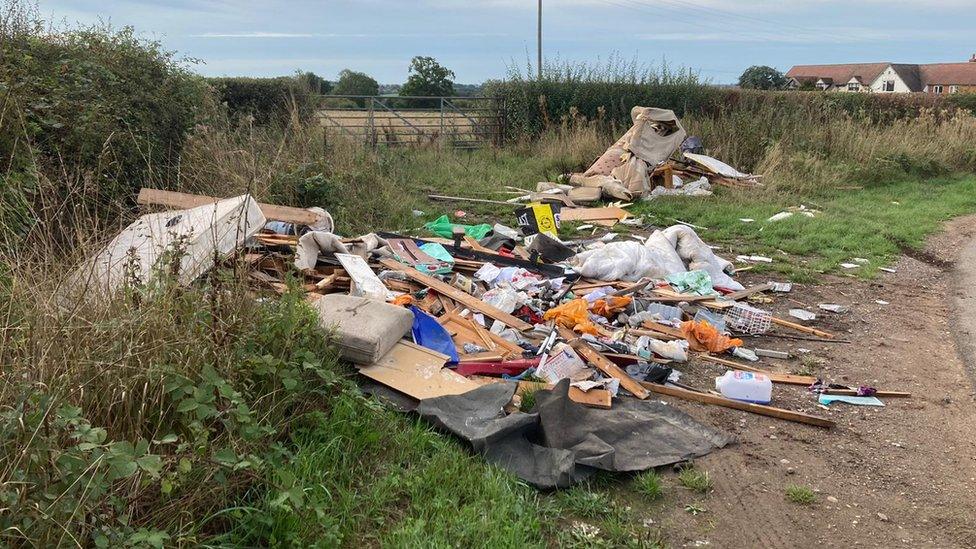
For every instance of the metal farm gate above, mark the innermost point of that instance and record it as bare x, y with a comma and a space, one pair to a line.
459, 122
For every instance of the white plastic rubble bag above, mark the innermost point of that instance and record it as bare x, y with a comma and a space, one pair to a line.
745, 386
700, 257
155, 242
627, 261
663, 248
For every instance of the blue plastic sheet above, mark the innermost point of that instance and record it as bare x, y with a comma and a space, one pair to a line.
857, 400
427, 332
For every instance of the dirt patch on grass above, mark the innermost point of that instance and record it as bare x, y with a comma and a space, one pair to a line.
902, 475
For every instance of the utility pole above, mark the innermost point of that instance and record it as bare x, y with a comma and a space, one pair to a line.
539, 61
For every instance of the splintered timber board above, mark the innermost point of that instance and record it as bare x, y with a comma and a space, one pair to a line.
466, 299
418, 372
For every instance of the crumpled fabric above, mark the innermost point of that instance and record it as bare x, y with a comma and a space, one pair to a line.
691, 282
610, 305
312, 243
574, 315
702, 336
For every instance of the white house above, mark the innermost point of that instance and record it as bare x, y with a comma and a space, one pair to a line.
936, 78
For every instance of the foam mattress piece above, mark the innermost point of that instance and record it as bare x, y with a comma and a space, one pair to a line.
366, 329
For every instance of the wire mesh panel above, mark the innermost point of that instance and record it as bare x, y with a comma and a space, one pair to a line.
459, 122
749, 320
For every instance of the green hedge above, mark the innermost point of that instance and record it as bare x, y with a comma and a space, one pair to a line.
90, 112
268, 100
532, 105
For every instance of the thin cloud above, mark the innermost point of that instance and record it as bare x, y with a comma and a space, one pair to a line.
837, 35
286, 35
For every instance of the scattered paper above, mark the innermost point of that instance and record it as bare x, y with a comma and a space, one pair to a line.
832, 307
888, 269
881, 302
782, 287
746, 219
849, 265
562, 363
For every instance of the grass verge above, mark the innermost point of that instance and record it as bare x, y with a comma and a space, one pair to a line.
874, 223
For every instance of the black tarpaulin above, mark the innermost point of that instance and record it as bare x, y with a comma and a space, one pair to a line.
562, 442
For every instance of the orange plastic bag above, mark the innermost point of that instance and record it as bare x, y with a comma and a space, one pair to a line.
611, 305
404, 299
702, 336
572, 314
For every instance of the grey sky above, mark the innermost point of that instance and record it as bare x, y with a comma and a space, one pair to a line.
481, 39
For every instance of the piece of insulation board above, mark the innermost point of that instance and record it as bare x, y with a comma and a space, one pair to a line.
418, 372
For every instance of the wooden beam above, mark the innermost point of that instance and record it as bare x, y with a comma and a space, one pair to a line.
603, 363
467, 300
770, 411
788, 379
802, 328
183, 201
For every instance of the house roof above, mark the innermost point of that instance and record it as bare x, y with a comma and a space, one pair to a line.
908, 75
865, 72
963, 74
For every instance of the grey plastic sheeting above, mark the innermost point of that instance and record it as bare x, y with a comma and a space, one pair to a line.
562, 442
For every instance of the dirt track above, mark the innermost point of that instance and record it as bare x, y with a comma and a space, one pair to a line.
903, 475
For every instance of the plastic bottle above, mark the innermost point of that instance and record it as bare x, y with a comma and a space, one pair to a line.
745, 386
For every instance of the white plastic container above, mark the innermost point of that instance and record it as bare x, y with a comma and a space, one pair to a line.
745, 386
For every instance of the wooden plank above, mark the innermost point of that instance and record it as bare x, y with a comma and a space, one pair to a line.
663, 328
741, 294
603, 363
417, 372
788, 379
481, 357
475, 245
467, 300
594, 398
801, 328
593, 214
770, 411
183, 201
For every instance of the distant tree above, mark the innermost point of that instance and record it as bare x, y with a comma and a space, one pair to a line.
355, 83
761, 77
314, 82
428, 77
